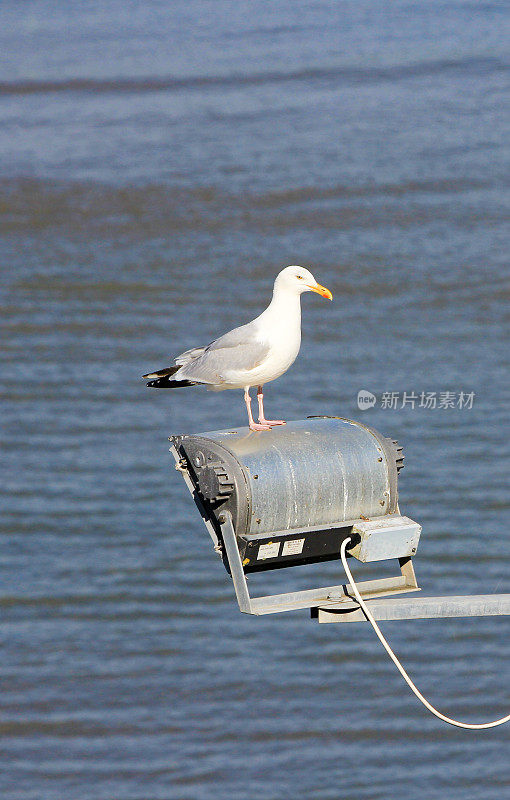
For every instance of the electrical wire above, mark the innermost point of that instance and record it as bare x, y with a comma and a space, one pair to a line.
370, 618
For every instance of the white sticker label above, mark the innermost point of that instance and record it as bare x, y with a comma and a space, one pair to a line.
269, 550
293, 547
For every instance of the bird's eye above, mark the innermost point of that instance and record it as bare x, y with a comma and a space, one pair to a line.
299, 277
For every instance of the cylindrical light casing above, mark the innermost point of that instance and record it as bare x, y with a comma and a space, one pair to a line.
309, 473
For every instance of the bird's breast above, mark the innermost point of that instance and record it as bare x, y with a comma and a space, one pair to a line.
284, 344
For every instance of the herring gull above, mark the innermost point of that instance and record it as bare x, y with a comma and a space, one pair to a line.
253, 354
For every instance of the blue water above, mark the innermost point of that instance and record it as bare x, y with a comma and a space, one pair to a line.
159, 163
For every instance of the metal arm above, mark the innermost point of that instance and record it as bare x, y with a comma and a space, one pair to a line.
481, 605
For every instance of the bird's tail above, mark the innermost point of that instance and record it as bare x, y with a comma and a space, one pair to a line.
162, 379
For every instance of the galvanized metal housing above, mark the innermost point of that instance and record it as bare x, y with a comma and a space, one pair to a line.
313, 476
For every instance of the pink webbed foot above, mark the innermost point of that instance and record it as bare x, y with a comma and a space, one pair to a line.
272, 421
254, 426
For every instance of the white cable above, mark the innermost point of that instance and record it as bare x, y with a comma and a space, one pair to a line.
364, 607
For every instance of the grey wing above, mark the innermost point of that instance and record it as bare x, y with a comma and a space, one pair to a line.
189, 355
235, 352
244, 335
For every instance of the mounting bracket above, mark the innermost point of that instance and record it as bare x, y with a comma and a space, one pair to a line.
307, 598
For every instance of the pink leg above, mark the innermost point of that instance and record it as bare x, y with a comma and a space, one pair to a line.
262, 419
253, 425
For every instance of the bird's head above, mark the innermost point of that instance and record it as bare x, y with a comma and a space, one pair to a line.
298, 280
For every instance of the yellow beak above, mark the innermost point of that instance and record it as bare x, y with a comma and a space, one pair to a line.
322, 291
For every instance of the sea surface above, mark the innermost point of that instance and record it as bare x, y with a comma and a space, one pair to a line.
160, 162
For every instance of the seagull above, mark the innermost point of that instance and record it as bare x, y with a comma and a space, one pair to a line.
251, 355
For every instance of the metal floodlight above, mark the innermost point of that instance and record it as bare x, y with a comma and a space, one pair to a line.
293, 495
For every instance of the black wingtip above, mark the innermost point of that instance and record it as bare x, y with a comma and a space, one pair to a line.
168, 383
156, 374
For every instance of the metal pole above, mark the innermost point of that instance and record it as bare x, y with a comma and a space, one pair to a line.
481, 605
